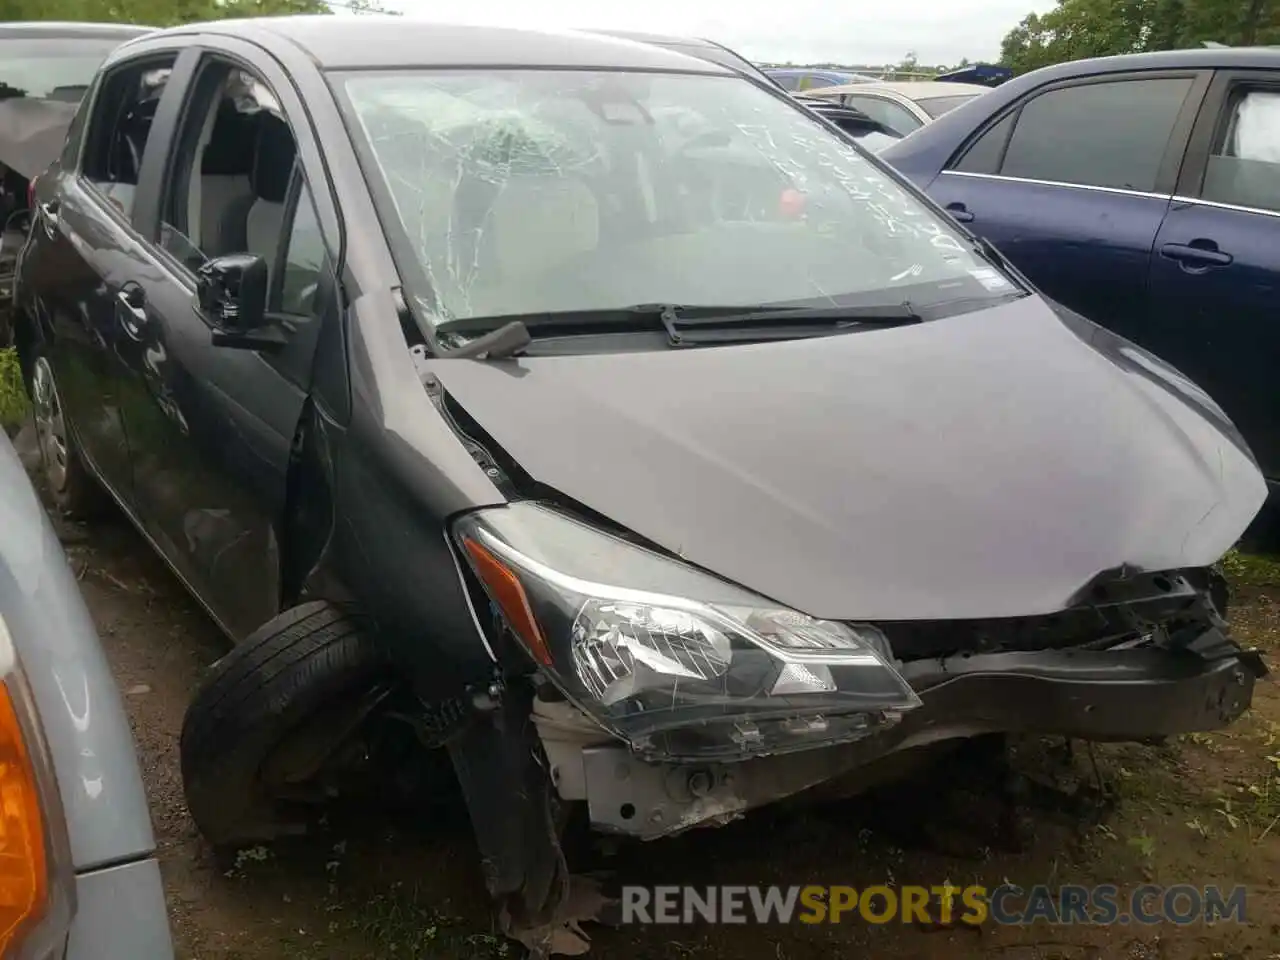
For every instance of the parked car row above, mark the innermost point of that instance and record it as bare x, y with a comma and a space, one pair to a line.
902, 107
699, 460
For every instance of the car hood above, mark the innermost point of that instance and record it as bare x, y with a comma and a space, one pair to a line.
990, 464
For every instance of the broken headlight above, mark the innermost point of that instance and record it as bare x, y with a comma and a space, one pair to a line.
680, 663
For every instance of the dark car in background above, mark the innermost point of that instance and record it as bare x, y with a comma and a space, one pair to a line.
45, 68
602, 424
802, 79
1143, 192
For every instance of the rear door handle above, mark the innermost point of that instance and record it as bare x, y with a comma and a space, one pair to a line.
959, 213
1196, 254
49, 216
131, 308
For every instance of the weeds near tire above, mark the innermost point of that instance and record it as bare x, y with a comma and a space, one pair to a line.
13, 398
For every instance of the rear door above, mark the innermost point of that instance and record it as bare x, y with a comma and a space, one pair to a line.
1073, 182
84, 249
1215, 278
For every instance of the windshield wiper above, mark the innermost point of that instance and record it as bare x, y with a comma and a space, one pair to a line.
698, 326
508, 336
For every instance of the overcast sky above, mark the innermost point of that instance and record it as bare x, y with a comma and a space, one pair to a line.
803, 31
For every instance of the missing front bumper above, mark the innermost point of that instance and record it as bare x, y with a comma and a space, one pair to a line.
1132, 694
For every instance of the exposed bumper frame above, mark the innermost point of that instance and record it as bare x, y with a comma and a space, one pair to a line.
1117, 695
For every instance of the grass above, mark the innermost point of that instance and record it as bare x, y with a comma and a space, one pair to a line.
403, 926
13, 398
1251, 569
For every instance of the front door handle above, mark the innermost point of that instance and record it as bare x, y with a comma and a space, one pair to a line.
132, 310
1196, 255
959, 213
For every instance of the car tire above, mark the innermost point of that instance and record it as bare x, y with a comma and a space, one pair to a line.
284, 681
73, 489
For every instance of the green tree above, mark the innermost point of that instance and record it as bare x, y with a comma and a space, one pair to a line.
161, 13
1094, 28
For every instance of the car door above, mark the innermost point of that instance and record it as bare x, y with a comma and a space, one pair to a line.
1072, 183
211, 448
1215, 276
84, 247
896, 116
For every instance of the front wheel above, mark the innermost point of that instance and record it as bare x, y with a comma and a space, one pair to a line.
271, 716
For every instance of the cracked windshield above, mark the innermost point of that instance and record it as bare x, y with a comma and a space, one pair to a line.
582, 190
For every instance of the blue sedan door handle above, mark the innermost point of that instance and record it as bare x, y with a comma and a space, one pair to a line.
1197, 255
959, 212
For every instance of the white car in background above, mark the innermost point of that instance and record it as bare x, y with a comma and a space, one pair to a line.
904, 106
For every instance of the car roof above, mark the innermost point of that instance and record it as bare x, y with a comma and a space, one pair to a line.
60, 30
352, 43
1204, 58
911, 89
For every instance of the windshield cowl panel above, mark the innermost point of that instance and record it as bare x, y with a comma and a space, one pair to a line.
526, 191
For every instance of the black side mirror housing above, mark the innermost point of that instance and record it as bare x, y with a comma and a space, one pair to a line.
232, 295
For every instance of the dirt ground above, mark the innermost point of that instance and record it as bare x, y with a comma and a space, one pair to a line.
384, 884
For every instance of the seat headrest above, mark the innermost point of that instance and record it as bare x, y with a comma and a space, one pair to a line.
225, 154
273, 156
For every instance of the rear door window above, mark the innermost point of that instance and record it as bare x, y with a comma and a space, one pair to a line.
1244, 166
120, 126
1110, 134
937, 106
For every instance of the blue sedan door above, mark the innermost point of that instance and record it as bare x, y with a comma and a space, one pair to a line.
1215, 278
1072, 182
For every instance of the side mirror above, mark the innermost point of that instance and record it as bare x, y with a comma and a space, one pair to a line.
232, 294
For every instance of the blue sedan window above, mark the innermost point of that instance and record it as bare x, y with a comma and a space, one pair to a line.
1111, 134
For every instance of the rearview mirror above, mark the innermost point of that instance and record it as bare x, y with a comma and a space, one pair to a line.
232, 294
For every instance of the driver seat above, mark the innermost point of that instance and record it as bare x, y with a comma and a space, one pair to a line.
273, 157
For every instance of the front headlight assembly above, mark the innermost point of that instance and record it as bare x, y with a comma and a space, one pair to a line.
681, 664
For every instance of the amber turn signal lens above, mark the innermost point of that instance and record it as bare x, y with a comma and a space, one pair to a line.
24, 876
505, 589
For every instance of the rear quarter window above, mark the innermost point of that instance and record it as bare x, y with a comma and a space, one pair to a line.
937, 106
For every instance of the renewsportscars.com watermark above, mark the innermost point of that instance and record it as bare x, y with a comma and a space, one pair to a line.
945, 905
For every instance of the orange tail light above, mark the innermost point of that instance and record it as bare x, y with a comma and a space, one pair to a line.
24, 873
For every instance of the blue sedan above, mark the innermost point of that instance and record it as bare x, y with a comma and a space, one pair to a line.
1143, 192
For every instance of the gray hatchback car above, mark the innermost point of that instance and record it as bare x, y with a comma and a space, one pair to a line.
77, 855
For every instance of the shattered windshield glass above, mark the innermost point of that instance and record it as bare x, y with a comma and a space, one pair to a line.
545, 190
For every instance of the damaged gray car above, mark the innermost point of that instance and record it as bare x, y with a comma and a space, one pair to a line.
606, 425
